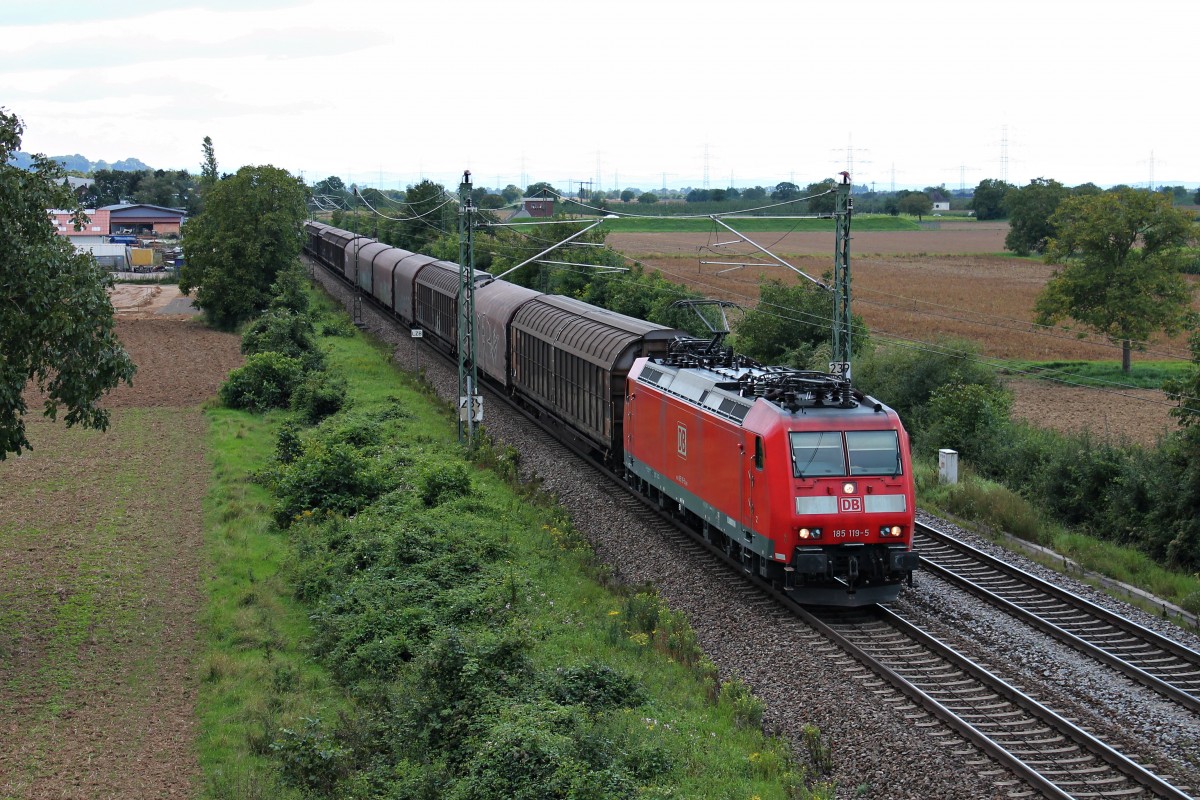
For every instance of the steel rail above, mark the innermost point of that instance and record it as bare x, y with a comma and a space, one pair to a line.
1146, 656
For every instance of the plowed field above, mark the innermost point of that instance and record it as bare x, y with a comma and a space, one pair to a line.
917, 287
100, 575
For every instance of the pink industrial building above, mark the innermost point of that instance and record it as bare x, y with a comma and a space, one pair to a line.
97, 225
134, 219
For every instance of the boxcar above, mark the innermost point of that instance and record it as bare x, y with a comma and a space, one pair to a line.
570, 359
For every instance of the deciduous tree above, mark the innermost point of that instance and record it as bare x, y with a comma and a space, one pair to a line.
56, 321
916, 203
247, 234
988, 200
1121, 253
785, 190
1029, 210
823, 200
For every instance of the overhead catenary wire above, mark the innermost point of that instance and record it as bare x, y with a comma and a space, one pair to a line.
1009, 366
983, 319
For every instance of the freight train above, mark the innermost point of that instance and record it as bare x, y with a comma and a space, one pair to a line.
804, 480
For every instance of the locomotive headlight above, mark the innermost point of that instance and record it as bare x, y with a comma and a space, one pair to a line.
809, 533
891, 530
849, 487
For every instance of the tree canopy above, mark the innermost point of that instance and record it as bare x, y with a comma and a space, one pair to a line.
170, 188
785, 190
1029, 211
1122, 254
56, 321
535, 189
208, 170
822, 198
916, 203
247, 234
988, 200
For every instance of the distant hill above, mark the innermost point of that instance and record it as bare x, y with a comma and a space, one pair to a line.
78, 163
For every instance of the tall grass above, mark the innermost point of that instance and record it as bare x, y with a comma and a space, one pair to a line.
256, 676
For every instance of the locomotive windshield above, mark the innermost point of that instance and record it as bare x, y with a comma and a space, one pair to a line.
873, 452
817, 453
825, 454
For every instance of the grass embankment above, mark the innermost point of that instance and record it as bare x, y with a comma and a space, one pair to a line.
257, 672
467, 641
754, 224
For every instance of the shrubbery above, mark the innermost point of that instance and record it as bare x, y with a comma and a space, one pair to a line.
318, 395
436, 614
328, 477
444, 482
286, 332
265, 381
285, 365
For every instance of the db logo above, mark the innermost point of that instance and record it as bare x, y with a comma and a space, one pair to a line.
850, 505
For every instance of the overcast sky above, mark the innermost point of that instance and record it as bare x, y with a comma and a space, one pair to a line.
622, 92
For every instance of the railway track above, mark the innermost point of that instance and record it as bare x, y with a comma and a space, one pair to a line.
1139, 653
1036, 744
1049, 752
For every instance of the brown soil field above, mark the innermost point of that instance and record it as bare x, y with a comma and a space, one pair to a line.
950, 238
101, 552
945, 281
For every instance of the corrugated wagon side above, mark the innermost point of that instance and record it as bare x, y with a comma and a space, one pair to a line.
495, 305
570, 359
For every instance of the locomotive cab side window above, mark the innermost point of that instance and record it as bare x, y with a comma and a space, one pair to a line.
817, 454
873, 452
759, 455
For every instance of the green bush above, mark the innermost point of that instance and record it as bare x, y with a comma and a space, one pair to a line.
265, 381
288, 444
312, 759
329, 478
320, 394
968, 417
539, 750
289, 290
596, 686
369, 627
907, 380
443, 483
284, 331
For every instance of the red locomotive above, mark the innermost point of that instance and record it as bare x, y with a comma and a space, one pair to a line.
804, 479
